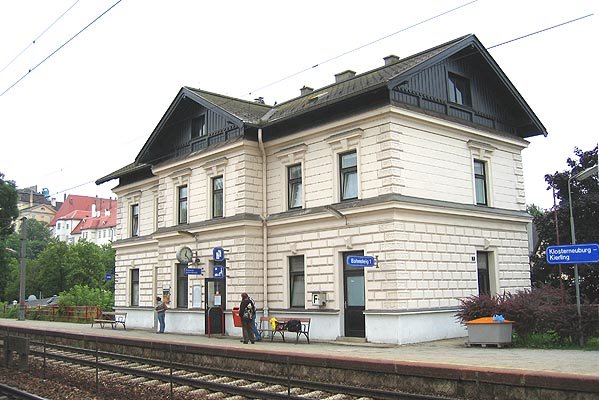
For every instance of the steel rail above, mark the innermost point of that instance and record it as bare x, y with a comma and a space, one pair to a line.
105, 361
18, 394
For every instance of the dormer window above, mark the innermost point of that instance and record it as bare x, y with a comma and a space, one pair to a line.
198, 127
459, 90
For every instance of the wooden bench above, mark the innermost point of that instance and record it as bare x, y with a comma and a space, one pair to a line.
112, 318
281, 327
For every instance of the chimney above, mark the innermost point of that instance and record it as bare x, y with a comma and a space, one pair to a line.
345, 75
306, 90
53, 201
259, 100
94, 210
390, 59
30, 197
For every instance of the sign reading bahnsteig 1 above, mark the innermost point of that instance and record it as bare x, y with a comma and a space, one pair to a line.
573, 254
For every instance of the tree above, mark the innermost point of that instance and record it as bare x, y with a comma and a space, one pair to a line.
585, 207
8, 215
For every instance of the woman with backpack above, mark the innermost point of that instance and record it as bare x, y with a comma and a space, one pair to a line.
247, 310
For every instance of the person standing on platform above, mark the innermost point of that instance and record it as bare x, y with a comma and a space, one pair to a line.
247, 311
257, 335
161, 308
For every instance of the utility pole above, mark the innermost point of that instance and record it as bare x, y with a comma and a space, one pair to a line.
23, 270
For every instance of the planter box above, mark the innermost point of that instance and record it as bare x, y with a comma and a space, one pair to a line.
485, 331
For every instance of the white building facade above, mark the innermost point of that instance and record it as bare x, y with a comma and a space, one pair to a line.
416, 165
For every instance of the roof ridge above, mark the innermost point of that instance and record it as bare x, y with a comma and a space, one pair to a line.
228, 97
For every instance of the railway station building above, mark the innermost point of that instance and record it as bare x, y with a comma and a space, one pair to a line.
372, 205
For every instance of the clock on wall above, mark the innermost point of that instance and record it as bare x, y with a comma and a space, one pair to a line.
185, 255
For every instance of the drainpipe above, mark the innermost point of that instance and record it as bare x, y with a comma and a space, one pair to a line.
264, 226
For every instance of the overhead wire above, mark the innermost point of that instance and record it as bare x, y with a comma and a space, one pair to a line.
59, 48
34, 41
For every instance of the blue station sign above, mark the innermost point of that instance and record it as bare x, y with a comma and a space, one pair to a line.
218, 254
218, 271
194, 271
360, 261
573, 254
108, 277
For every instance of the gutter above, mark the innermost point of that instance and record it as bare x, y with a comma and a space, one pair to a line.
264, 225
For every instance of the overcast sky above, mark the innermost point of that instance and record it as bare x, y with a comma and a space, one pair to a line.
88, 109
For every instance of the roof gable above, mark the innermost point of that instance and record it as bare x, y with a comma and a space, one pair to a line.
78, 207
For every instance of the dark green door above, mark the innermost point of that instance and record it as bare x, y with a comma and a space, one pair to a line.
215, 301
354, 297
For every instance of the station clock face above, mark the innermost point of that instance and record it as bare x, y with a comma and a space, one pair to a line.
185, 255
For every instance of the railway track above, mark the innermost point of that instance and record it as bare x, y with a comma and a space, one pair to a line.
200, 381
11, 393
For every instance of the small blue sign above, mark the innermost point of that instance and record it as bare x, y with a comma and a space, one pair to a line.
108, 277
193, 271
573, 254
218, 254
218, 271
360, 261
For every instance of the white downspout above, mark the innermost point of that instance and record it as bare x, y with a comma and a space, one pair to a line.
264, 226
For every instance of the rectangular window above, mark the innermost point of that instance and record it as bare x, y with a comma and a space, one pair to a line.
480, 183
198, 127
294, 186
182, 195
135, 287
348, 170
182, 286
482, 266
135, 220
296, 282
459, 90
217, 197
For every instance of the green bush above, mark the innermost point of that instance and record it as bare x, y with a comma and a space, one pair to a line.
541, 315
81, 295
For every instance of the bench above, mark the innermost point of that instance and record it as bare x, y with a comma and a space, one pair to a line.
112, 318
281, 327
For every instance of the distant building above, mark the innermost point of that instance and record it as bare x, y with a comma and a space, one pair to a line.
34, 205
83, 217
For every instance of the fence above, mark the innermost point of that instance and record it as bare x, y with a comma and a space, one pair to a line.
63, 313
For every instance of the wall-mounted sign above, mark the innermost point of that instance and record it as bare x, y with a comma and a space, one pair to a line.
361, 261
218, 254
218, 271
194, 271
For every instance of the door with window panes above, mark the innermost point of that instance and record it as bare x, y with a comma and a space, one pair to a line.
354, 297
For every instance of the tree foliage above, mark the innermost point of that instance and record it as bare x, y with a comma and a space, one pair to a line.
585, 209
83, 295
8, 215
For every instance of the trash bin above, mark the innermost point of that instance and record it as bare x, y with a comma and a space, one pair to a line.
486, 330
236, 317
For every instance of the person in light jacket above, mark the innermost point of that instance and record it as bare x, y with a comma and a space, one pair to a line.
160, 308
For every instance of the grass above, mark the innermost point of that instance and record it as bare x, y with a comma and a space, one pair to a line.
550, 340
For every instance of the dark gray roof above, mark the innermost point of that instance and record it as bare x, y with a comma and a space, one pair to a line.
120, 172
247, 111
356, 85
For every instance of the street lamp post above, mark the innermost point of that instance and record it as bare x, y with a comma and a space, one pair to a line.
22, 272
579, 177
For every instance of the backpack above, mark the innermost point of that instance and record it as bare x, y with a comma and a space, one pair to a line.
294, 325
248, 313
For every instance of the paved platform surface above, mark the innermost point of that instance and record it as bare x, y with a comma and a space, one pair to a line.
450, 352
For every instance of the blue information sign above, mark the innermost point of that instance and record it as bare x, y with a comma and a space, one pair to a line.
108, 277
360, 261
194, 271
218, 254
573, 254
218, 271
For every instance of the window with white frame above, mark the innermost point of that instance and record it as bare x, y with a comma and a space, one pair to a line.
217, 197
480, 182
294, 186
182, 204
135, 220
198, 127
459, 89
348, 175
135, 287
296, 282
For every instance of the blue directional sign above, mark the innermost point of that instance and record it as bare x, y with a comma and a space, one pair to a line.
108, 277
360, 261
194, 271
573, 254
218, 254
218, 271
